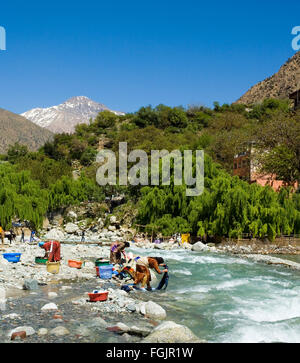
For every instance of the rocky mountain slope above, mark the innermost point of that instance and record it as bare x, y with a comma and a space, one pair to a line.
15, 128
64, 117
280, 85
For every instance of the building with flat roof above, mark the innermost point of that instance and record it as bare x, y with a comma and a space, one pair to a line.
244, 168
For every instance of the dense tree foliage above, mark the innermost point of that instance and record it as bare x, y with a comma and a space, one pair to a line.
228, 207
34, 183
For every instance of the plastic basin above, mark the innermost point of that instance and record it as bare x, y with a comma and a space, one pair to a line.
100, 296
12, 257
53, 267
41, 260
101, 262
104, 272
75, 264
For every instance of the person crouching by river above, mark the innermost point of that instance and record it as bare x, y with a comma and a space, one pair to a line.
52, 249
143, 266
116, 251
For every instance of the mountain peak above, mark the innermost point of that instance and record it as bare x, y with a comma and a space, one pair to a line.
76, 99
64, 117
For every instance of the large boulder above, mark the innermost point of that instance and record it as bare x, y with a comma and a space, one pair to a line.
153, 310
30, 284
199, 246
71, 228
170, 332
55, 234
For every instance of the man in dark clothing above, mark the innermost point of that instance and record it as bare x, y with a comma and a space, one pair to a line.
22, 235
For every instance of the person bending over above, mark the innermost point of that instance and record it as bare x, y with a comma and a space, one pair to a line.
52, 249
116, 251
143, 266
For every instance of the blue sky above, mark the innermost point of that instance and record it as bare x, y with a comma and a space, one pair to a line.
127, 54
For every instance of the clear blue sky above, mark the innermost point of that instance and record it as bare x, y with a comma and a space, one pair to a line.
127, 54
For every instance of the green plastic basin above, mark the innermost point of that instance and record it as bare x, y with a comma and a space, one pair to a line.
41, 260
101, 262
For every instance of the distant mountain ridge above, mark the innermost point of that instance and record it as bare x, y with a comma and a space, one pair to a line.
15, 128
280, 85
64, 117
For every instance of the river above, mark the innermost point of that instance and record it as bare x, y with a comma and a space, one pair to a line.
224, 298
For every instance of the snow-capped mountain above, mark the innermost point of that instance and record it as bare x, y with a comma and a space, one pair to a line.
64, 117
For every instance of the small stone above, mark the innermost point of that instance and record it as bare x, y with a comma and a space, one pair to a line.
52, 294
114, 329
27, 329
42, 331
50, 306
59, 331
11, 316
56, 316
19, 334
131, 308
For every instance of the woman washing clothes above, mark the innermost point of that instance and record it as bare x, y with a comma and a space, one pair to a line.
52, 249
143, 265
116, 251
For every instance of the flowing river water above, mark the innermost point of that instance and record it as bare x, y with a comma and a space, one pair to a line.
224, 298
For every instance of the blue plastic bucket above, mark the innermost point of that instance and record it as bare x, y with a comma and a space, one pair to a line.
12, 257
105, 272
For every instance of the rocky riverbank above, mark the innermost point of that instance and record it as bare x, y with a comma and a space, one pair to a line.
37, 306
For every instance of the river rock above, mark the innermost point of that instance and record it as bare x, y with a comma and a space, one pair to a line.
30, 284
71, 228
18, 335
52, 294
153, 310
50, 306
98, 323
123, 327
170, 332
199, 246
100, 223
42, 331
72, 214
140, 330
54, 234
131, 308
11, 316
28, 329
83, 331
59, 331
113, 219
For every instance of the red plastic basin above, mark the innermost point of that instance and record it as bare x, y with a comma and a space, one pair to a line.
100, 296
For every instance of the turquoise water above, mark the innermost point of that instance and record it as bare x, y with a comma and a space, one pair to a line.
224, 298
